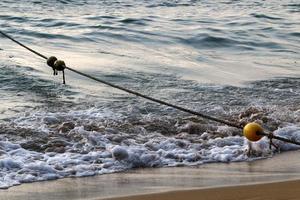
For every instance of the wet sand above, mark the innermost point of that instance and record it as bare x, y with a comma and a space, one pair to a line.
270, 191
216, 181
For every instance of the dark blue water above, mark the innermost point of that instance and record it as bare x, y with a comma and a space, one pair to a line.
238, 60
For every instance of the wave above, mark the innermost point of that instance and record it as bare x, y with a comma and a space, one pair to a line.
264, 16
204, 41
46, 146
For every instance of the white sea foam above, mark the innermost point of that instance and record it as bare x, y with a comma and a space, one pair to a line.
84, 149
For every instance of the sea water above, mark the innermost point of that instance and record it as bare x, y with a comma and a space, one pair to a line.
235, 60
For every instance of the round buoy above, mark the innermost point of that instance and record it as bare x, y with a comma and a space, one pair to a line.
51, 60
59, 65
251, 131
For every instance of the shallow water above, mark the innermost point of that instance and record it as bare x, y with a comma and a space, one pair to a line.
234, 60
146, 181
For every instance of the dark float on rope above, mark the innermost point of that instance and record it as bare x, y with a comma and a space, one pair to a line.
57, 65
252, 131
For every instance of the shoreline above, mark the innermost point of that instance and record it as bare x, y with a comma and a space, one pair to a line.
262, 191
152, 182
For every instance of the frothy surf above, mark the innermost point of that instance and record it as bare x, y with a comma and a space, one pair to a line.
45, 146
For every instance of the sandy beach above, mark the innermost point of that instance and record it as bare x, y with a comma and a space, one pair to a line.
268, 191
273, 178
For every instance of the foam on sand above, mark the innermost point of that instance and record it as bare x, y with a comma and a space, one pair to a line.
58, 148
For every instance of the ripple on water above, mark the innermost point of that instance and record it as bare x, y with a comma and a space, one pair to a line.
264, 16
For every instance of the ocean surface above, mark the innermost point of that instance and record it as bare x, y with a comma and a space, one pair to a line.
236, 60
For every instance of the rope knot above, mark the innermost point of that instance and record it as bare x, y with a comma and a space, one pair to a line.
57, 65
270, 136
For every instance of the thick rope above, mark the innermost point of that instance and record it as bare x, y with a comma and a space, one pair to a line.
24, 46
157, 100
272, 136
232, 124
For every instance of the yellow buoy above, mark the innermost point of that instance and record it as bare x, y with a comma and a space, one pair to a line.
251, 131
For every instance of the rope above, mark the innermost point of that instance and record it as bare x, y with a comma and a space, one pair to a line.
24, 46
157, 100
58, 65
52, 64
272, 136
